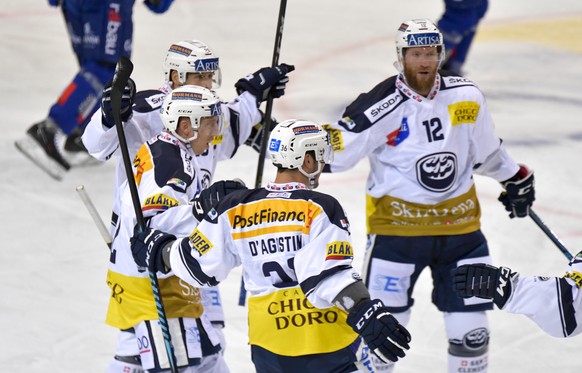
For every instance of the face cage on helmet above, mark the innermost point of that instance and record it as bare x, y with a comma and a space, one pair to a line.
216, 77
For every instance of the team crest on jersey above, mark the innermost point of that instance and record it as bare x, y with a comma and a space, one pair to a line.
437, 172
401, 134
159, 201
336, 138
464, 112
339, 250
200, 243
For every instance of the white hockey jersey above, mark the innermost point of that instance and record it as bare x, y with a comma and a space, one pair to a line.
240, 116
422, 152
553, 303
102, 142
295, 248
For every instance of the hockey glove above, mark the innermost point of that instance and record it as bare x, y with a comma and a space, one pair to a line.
484, 281
260, 83
385, 337
158, 6
256, 137
209, 198
519, 193
126, 103
147, 247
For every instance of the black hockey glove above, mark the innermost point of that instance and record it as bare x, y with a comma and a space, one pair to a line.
209, 198
158, 6
260, 83
519, 193
127, 100
385, 337
256, 137
484, 281
147, 247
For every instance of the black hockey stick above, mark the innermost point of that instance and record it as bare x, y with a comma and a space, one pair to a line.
122, 72
267, 121
550, 234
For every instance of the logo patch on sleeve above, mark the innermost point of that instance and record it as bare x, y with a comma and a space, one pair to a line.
575, 276
339, 250
200, 243
336, 138
464, 112
159, 201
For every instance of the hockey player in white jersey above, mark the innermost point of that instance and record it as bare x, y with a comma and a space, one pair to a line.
553, 303
186, 62
167, 174
307, 304
425, 134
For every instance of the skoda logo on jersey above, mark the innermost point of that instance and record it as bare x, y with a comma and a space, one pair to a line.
437, 172
419, 40
209, 64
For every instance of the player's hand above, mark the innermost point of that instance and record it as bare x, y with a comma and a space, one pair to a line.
256, 137
127, 100
209, 197
484, 281
265, 80
385, 337
519, 193
158, 6
146, 248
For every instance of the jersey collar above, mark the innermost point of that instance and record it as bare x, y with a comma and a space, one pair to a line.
407, 91
286, 186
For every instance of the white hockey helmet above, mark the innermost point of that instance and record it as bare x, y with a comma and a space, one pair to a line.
191, 56
192, 102
418, 33
291, 139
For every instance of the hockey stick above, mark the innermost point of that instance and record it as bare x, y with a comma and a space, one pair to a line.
267, 123
95, 215
550, 234
120, 79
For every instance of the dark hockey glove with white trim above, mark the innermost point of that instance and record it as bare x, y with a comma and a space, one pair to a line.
127, 100
209, 197
261, 82
484, 281
256, 137
385, 337
519, 193
147, 247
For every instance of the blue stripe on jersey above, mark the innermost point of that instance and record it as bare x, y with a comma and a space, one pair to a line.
566, 306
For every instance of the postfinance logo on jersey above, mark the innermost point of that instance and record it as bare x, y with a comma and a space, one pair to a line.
464, 112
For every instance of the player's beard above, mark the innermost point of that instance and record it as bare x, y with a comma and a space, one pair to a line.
421, 84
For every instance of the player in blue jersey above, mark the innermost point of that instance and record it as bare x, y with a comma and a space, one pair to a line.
100, 32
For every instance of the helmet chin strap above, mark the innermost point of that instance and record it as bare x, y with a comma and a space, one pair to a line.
311, 176
186, 141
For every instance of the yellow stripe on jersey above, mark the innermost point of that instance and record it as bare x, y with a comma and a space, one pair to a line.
464, 112
392, 216
132, 300
286, 323
142, 163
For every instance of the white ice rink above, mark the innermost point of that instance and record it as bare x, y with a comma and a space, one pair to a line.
527, 59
